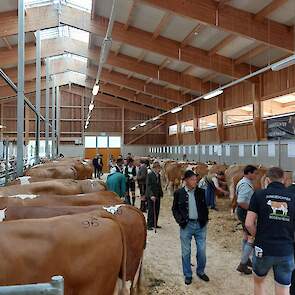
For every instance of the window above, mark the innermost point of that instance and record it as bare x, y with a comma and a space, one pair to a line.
85, 5
208, 122
34, 3
187, 126
90, 141
279, 106
115, 141
239, 115
102, 141
173, 129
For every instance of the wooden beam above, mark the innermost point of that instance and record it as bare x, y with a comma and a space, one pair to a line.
130, 15
220, 127
7, 43
257, 120
164, 46
230, 19
196, 123
250, 54
195, 31
164, 21
145, 133
269, 9
118, 49
164, 63
226, 41
221, 3
115, 101
188, 70
141, 57
209, 77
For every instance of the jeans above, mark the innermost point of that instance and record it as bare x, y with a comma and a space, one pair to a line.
193, 229
210, 197
282, 267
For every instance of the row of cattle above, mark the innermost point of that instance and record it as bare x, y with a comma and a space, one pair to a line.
71, 227
172, 174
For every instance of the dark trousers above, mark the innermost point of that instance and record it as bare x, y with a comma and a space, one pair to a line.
292, 288
96, 172
143, 202
153, 208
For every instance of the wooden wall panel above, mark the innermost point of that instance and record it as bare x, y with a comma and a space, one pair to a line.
238, 95
208, 136
207, 107
149, 139
171, 140
239, 133
188, 138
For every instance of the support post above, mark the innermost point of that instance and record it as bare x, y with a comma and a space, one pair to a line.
53, 130
47, 109
123, 126
20, 88
38, 95
220, 127
82, 115
196, 124
256, 110
6, 161
57, 126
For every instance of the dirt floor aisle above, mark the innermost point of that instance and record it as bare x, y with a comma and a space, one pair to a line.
162, 262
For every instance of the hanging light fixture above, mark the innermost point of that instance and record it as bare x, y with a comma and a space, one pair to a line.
133, 128
95, 89
142, 124
176, 110
213, 94
156, 118
91, 106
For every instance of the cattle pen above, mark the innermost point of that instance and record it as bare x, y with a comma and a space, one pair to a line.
147, 147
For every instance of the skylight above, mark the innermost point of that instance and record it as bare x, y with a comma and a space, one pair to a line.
65, 31
85, 5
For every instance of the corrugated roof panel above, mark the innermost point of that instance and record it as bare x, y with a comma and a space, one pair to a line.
178, 28
103, 8
200, 72
285, 14
154, 58
146, 17
131, 50
237, 47
176, 65
252, 6
268, 57
208, 38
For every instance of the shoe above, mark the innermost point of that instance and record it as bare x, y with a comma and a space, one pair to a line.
149, 228
203, 277
158, 226
188, 281
214, 208
243, 268
249, 263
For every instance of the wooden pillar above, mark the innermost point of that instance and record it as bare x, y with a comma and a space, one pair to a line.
220, 127
179, 134
196, 123
257, 122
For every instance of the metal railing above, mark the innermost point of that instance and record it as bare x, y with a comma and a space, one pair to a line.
55, 287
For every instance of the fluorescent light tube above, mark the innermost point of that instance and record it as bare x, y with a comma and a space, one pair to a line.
142, 124
133, 128
175, 110
213, 94
156, 118
91, 106
95, 89
287, 62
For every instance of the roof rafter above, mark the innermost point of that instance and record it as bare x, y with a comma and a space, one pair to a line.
164, 21
269, 9
250, 54
130, 15
227, 40
195, 31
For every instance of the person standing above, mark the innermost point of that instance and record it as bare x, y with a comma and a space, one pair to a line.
270, 219
191, 213
100, 166
210, 183
116, 182
244, 192
141, 180
119, 165
95, 166
130, 174
154, 194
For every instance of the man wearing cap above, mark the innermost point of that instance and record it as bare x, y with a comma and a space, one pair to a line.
191, 213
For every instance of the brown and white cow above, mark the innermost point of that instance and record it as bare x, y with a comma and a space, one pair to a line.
34, 250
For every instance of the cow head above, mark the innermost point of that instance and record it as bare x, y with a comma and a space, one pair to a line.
3, 214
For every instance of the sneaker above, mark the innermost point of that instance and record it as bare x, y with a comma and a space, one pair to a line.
188, 281
214, 208
158, 226
243, 268
203, 277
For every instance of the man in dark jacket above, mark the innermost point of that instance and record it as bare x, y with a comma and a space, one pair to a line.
191, 213
95, 166
130, 174
154, 194
141, 180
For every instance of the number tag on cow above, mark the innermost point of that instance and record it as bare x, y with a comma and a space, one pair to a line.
113, 209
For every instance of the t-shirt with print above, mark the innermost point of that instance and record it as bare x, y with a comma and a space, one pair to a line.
274, 207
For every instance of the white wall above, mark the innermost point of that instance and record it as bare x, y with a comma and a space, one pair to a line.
136, 150
71, 150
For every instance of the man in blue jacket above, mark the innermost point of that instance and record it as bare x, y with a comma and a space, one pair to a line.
191, 213
116, 182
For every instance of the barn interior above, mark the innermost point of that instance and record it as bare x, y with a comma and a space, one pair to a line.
193, 81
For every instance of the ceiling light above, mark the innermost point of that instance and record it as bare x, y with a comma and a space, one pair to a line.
95, 89
175, 110
213, 94
142, 124
91, 106
289, 61
2, 126
133, 128
156, 118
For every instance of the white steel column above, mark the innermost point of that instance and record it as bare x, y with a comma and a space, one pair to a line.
47, 153
53, 131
